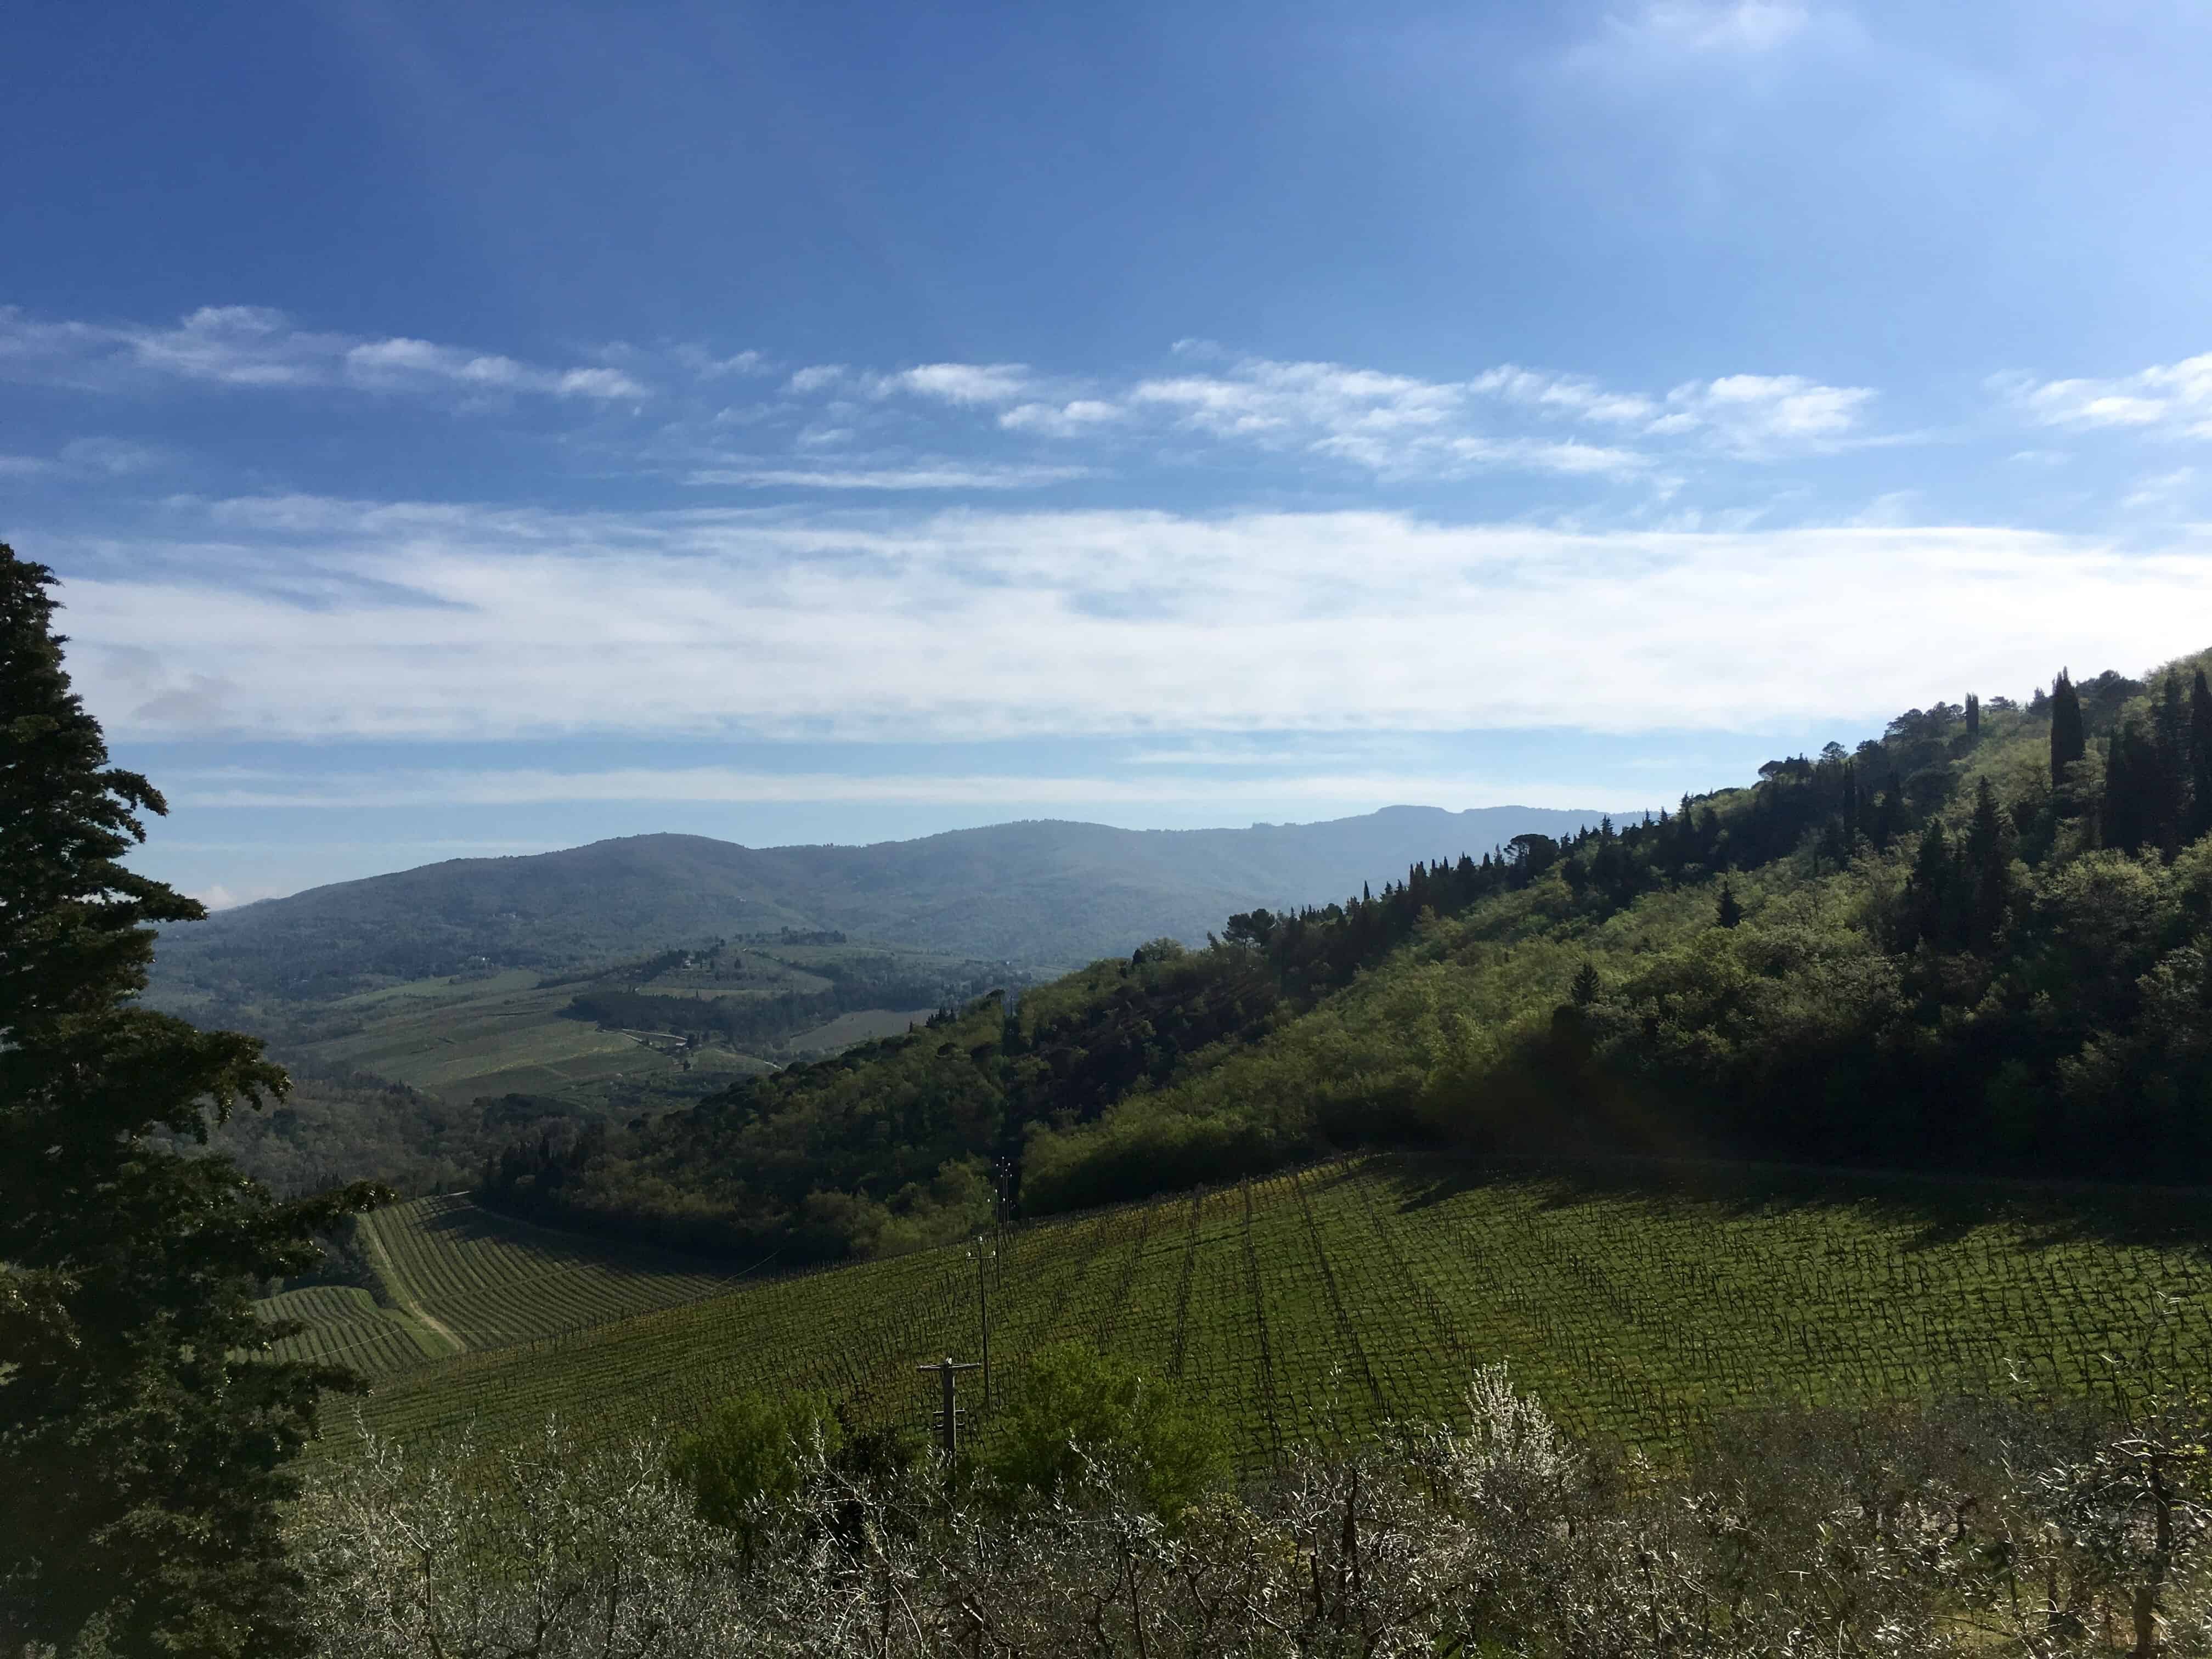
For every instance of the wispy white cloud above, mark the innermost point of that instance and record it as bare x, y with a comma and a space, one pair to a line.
817, 377
306, 618
944, 475
1730, 27
2171, 400
1262, 398
963, 383
1759, 415
88, 457
2173, 491
527, 786
1076, 417
1713, 37
706, 365
1400, 424
255, 347
218, 896
951, 383
1397, 427
1563, 394
115, 457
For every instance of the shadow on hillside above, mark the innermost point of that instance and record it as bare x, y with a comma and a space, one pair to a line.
1940, 1208
470, 1223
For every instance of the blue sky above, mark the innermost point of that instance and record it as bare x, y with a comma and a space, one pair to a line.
482, 428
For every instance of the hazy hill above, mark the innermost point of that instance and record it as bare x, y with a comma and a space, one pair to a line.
1044, 891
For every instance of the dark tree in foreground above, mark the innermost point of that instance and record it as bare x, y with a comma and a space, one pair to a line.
143, 1438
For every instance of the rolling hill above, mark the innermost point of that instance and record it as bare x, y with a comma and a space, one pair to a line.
1043, 892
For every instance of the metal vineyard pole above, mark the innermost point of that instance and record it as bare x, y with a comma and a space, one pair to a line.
984, 1255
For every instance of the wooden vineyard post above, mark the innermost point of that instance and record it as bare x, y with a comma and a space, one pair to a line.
948, 1416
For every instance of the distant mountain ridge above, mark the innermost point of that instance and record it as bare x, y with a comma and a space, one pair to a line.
1040, 891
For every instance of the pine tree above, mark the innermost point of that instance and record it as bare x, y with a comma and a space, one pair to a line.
2070, 741
143, 1439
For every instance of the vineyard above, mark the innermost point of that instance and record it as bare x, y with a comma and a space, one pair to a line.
456, 1278
345, 1327
1334, 1299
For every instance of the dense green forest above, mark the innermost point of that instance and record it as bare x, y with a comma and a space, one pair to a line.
1977, 941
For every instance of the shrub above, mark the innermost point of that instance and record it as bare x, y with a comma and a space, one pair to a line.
1075, 1413
755, 1450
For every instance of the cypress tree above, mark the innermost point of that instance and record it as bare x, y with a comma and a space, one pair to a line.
2132, 787
144, 1435
1974, 716
2070, 742
2170, 769
1928, 903
2114, 816
1586, 986
1728, 913
1889, 812
1987, 854
2200, 757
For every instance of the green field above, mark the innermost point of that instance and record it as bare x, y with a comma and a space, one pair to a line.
497, 1035
502, 1032
457, 1278
1336, 1298
863, 1025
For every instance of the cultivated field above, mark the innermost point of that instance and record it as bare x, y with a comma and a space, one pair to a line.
486, 1036
864, 1025
501, 1032
345, 1327
1334, 1299
458, 1278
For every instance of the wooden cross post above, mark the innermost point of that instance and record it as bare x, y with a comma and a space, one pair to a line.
949, 1416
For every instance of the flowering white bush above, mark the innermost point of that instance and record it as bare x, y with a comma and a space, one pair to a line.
1974, 1530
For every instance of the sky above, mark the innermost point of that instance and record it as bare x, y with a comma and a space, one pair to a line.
466, 430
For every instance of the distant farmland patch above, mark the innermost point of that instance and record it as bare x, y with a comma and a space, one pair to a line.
865, 1026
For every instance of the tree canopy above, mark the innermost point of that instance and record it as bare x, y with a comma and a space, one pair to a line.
144, 1433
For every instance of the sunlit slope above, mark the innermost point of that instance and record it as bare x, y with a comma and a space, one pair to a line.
503, 1037
1338, 1297
458, 1278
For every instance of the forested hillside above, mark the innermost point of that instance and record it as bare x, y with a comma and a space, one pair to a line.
1976, 941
